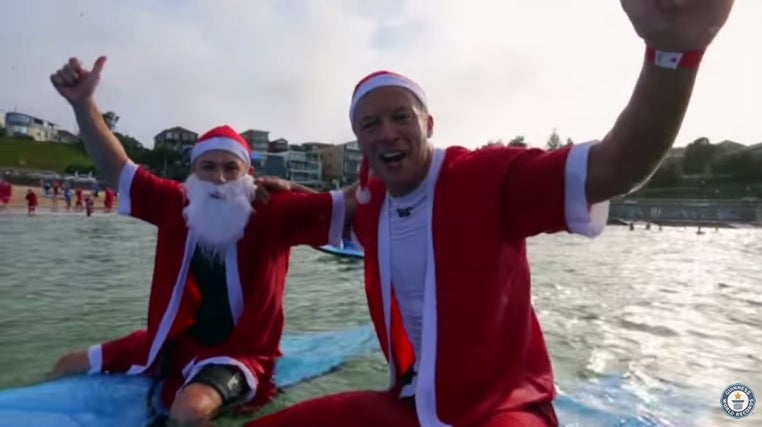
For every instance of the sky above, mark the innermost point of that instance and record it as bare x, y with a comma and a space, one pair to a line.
491, 69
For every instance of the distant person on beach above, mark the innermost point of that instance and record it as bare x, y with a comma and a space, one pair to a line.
31, 202
89, 205
6, 191
55, 194
67, 197
108, 200
222, 249
78, 200
444, 234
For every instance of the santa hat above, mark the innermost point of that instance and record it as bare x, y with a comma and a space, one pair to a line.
372, 81
222, 138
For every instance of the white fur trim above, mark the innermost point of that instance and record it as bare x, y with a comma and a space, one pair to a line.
95, 359
233, 279
124, 206
362, 195
188, 366
171, 311
426, 390
425, 383
385, 276
582, 218
385, 80
251, 379
338, 215
220, 143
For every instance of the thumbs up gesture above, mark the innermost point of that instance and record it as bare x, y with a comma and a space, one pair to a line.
75, 83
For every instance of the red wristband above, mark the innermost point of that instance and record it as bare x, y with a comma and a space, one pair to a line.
674, 60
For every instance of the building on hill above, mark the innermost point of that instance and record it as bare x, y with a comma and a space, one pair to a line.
268, 164
278, 146
22, 125
259, 140
302, 167
314, 146
341, 163
177, 139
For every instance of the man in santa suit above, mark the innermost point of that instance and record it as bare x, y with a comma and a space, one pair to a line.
446, 273
215, 313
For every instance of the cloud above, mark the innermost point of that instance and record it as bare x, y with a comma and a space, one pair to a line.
490, 69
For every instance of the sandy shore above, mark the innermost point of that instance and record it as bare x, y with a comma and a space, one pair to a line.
18, 200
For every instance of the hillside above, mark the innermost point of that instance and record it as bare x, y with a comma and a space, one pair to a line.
29, 154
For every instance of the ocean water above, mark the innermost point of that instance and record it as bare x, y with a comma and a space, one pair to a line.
672, 315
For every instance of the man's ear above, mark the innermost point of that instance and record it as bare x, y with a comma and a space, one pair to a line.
429, 126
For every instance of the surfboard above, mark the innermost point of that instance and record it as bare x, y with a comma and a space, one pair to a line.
347, 250
119, 400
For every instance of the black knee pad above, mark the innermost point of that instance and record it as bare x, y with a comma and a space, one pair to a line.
228, 381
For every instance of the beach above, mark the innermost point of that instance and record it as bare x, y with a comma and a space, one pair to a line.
44, 203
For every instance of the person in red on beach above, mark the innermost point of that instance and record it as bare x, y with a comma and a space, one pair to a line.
78, 200
31, 202
215, 310
108, 200
447, 278
6, 191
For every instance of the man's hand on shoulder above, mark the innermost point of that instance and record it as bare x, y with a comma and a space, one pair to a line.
273, 184
270, 184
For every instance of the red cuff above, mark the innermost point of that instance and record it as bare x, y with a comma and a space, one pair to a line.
674, 60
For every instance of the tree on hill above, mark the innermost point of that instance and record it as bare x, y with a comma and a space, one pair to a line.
554, 141
111, 119
698, 155
517, 141
740, 166
493, 143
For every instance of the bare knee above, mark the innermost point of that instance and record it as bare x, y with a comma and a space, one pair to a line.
194, 406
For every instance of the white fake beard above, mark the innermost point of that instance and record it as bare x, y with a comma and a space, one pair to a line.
217, 214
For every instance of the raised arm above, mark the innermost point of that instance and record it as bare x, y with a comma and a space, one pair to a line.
676, 33
77, 85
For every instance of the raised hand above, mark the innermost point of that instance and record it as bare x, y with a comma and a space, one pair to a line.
75, 83
677, 25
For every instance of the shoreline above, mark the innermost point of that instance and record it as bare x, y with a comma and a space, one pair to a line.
676, 223
18, 201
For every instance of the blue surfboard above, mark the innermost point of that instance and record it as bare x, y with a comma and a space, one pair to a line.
346, 250
119, 400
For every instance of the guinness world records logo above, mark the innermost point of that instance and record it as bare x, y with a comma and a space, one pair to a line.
738, 400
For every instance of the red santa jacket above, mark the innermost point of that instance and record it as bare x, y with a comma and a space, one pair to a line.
256, 273
482, 346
